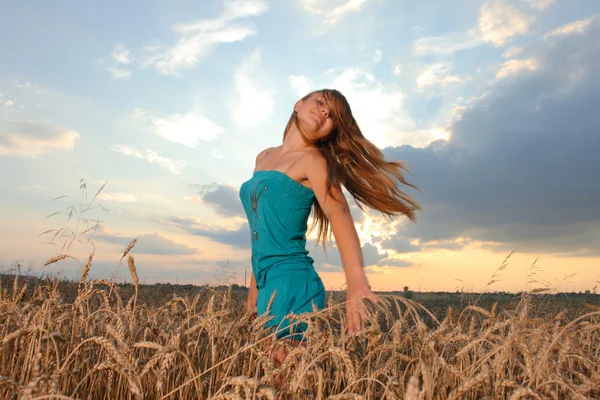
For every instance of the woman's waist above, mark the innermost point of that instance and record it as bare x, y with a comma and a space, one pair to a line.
286, 265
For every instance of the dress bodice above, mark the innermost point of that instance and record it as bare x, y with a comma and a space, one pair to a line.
277, 208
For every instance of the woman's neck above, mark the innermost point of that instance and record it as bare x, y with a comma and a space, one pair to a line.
293, 141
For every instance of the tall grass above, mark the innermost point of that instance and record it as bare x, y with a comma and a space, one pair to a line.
102, 345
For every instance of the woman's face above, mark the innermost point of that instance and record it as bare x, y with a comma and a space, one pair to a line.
315, 116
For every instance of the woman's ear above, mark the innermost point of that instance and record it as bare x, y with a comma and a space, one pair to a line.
297, 105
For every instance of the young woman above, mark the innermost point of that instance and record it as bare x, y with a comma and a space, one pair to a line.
323, 149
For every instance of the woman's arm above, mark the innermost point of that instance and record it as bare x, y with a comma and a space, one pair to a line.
337, 211
252, 293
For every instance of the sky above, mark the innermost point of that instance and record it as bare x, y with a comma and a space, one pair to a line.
493, 106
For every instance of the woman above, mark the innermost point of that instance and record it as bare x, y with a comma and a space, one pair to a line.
323, 149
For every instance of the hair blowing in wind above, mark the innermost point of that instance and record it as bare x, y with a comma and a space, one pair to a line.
358, 165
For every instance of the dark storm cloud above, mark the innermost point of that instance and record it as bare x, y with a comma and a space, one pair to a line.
522, 165
238, 238
400, 244
223, 198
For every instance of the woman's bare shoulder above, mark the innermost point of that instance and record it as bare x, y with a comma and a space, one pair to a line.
262, 154
315, 162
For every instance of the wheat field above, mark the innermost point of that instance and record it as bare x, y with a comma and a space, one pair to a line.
98, 343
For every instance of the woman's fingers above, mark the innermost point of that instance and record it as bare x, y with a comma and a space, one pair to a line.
373, 297
356, 313
351, 319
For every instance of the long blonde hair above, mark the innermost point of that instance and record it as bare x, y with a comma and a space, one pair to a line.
357, 164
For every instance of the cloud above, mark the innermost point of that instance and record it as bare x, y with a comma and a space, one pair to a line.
512, 67
377, 56
512, 52
539, 4
152, 243
300, 85
174, 166
444, 45
122, 55
437, 75
574, 27
9, 103
400, 244
331, 10
38, 90
33, 138
254, 102
197, 39
119, 73
119, 197
499, 21
378, 107
519, 170
217, 154
237, 238
398, 70
186, 129
223, 198
371, 257
455, 244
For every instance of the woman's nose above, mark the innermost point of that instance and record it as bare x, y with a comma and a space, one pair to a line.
325, 112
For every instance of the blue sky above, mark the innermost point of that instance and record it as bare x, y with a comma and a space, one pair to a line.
491, 103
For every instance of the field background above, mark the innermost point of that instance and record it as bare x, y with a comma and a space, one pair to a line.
99, 340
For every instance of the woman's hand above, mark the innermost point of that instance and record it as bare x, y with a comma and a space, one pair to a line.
356, 310
251, 301
252, 294
251, 304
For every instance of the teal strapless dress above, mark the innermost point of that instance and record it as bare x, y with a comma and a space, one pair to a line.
277, 208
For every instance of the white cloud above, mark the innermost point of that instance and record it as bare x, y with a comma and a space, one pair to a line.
9, 103
512, 67
216, 154
571, 28
437, 75
398, 70
193, 199
377, 56
120, 197
539, 4
33, 88
253, 102
197, 39
174, 166
379, 109
34, 138
512, 52
186, 129
300, 84
499, 21
331, 10
119, 73
243, 8
122, 55
444, 45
